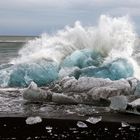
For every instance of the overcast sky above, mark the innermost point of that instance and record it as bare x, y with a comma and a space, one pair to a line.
33, 17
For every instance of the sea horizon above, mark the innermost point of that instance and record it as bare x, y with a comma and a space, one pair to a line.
16, 38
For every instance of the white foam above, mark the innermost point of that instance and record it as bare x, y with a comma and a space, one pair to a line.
113, 37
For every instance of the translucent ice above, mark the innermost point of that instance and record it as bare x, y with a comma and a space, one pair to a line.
83, 58
40, 71
81, 124
33, 120
117, 69
94, 120
135, 102
118, 103
125, 124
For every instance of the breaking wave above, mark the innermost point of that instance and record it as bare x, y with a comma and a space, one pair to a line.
104, 51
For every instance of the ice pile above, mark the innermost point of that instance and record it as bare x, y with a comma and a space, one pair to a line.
84, 90
119, 94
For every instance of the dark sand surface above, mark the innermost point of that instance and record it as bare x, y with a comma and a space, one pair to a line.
13, 126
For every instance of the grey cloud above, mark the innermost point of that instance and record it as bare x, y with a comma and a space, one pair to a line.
41, 15
120, 11
66, 3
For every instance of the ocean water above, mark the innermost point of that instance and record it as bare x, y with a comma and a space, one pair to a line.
8, 51
10, 45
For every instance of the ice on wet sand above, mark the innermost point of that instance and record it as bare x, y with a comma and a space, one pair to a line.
33, 120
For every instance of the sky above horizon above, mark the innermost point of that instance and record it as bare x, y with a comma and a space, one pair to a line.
33, 17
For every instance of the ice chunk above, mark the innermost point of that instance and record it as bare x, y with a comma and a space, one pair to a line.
119, 103
133, 83
35, 94
125, 124
41, 72
90, 84
115, 70
103, 92
33, 120
114, 88
133, 128
137, 91
135, 103
83, 58
83, 84
121, 68
48, 127
134, 107
33, 85
81, 124
94, 120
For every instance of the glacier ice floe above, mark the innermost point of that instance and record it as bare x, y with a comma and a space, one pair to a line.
119, 95
84, 90
119, 103
41, 71
114, 70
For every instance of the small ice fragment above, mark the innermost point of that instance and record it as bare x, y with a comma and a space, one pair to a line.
29, 138
133, 128
4, 125
48, 128
33, 120
33, 85
49, 131
119, 128
106, 129
125, 124
72, 129
81, 124
94, 120
135, 102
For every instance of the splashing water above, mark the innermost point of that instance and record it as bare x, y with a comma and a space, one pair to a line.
41, 59
110, 36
